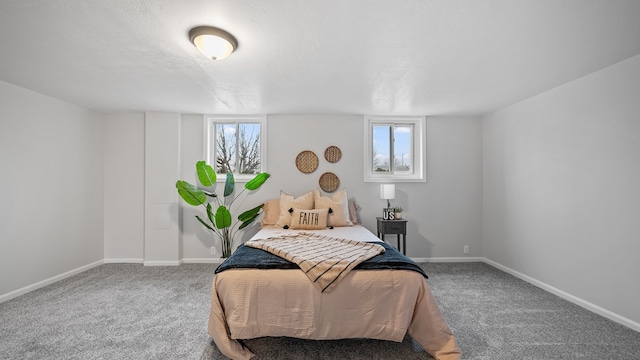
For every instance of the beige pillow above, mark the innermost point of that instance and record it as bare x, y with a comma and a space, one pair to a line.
309, 219
271, 212
339, 205
287, 202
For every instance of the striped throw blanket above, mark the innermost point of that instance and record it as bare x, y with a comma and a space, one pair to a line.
325, 260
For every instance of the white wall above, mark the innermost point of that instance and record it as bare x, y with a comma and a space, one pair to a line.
195, 241
51, 181
124, 188
561, 189
444, 213
162, 168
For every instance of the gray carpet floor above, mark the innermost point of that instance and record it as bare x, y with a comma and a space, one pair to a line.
127, 311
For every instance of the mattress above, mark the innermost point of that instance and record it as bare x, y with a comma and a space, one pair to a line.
356, 232
375, 304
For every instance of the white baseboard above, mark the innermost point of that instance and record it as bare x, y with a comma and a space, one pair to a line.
165, 263
124, 261
202, 260
574, 299
449, 259
51, 280
161, 263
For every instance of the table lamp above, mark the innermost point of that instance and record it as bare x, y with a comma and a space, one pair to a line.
388, 192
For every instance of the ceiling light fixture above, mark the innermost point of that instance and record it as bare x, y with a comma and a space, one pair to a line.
214, 43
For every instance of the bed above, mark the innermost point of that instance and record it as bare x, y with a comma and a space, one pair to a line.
382, 304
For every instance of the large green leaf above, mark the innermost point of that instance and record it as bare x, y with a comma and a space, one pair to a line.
247, 222
209, 193
205, 172
204, 223
250, 213
223, 217
190, 194
249, 216
257, 181
229, 185
210, 214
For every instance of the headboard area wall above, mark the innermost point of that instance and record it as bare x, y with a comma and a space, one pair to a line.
444, 213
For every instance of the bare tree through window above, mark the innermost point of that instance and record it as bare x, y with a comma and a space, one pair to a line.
249, 149
238, 148
225, 147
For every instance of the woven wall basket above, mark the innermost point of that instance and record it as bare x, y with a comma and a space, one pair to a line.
307, 161
329, 182
333, 154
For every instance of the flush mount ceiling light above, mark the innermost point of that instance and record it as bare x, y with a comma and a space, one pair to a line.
214, 43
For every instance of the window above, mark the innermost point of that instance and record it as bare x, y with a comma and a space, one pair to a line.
394, 149
236, 144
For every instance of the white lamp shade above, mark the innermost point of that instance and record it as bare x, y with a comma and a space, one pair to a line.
387, 191
214, 43
213, 47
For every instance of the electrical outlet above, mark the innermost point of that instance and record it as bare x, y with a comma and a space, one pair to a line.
466, 249
213, 250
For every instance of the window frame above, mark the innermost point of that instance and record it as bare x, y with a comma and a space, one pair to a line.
418, 151
210, 144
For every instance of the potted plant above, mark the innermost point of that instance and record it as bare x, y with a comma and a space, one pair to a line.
398, 212
220, 221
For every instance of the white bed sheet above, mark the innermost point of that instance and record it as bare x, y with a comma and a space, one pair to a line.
355, 232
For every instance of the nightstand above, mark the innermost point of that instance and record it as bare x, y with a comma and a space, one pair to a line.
398, 227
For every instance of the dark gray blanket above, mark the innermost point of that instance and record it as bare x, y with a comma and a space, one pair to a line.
246, 257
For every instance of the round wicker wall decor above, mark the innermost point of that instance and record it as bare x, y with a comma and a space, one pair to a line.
307, 161
329, 182
333, 154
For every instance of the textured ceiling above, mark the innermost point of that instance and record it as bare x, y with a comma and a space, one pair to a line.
314, 56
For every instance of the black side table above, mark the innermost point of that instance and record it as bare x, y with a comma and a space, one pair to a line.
398, 227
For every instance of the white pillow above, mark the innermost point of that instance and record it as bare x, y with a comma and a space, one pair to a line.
339, 205
288, 202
